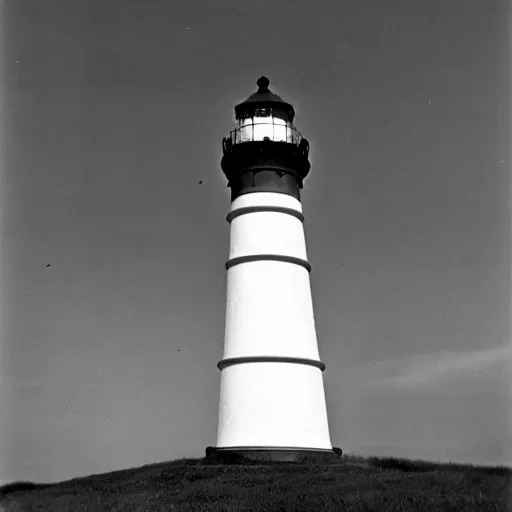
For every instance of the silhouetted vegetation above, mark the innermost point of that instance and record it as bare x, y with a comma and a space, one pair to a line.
19, 486
355, 484
407, 465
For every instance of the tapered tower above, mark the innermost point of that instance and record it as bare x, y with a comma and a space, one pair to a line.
272, 400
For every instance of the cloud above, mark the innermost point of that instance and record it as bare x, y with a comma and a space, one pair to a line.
430, 370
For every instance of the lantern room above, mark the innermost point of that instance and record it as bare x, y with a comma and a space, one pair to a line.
264, 116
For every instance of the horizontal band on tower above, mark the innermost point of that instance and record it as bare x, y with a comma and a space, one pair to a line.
268, 448
254, 209
268, 257
269, 359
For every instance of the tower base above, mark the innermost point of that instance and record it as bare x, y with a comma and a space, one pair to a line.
264, 455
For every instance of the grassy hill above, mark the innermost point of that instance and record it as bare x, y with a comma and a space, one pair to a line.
356, 484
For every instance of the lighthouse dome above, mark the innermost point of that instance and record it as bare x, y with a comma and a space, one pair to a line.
264, 98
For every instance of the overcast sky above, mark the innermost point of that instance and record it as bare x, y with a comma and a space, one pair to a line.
112, 276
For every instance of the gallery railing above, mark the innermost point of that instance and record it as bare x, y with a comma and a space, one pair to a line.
265, 131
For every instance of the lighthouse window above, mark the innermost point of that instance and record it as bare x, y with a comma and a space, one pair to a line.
262, 129
246, 133
280, 129
280, 133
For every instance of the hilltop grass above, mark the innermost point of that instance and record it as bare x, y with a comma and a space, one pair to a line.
356, 484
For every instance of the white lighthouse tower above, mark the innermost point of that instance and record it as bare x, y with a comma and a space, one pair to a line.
272, 400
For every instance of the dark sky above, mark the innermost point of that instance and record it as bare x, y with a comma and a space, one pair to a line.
112, 111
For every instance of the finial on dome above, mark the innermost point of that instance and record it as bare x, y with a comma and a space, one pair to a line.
263, 83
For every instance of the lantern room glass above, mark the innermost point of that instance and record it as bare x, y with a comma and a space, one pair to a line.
264, 125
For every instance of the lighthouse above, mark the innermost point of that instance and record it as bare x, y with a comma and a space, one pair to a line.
272, 399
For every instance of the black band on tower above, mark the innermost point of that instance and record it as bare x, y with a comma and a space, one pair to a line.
254, 209
268, 257
270, 359
269, 454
